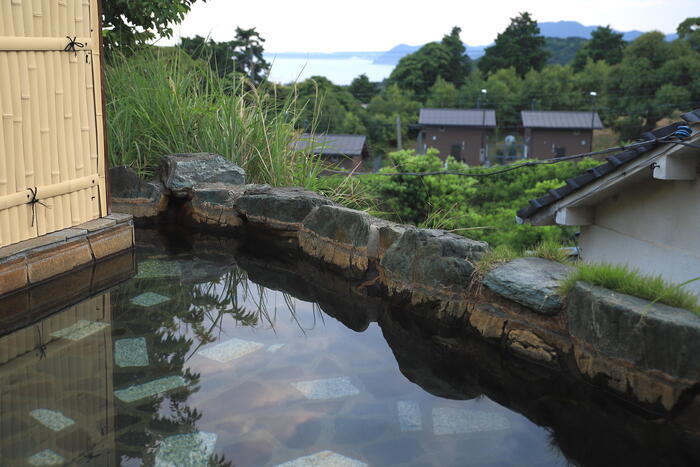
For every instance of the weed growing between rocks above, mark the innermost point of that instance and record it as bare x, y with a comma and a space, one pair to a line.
623, 279
550, 250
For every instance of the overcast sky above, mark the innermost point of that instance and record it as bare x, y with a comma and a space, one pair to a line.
377, 25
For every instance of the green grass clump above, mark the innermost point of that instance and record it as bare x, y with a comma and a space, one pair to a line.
494, 258
160, 101
623, 279
551, 250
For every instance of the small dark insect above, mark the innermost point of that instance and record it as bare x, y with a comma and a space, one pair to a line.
41, 348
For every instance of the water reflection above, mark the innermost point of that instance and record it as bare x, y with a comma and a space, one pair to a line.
224, 352
53, 407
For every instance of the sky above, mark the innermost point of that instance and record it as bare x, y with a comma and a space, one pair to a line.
378, 25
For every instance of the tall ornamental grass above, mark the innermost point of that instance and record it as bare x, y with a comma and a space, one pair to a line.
161, 101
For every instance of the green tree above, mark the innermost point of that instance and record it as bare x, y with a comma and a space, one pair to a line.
243, 55
443, 95
329, 108
416, 200
363, 89
562, 50
248, 54
382, 112
459, 64
128, 23
217, 54
470, 92
419, 70
505, 94
594, 78
553, 88
654, 79
520, 46
689, 30
605, 44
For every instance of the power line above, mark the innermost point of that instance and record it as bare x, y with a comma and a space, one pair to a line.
521, 165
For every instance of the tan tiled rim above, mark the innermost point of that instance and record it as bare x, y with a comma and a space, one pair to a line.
37, 260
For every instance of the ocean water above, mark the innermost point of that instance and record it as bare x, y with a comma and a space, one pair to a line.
342, 72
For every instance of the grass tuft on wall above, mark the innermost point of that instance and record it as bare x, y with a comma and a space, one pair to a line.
623, 279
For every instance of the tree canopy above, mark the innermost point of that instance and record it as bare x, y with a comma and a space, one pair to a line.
128, 23
519, 46
243, 55
419, 70
689, 30
459, 64
605, 44
654, 78
363, 89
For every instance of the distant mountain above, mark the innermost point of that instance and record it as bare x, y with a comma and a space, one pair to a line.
393, 56
557, 30
564, 29
562, 46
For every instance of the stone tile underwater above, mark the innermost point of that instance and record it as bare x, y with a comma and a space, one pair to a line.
225, 372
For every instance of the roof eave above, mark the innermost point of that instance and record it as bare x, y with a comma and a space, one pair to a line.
608, 185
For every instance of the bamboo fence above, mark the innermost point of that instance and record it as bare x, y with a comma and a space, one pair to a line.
52, 142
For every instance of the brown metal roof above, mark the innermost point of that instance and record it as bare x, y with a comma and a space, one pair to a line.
558, 119
330, 145
458, 117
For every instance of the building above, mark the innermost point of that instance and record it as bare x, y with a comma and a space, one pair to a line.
350, 152
640, 208
549, 134
460, 133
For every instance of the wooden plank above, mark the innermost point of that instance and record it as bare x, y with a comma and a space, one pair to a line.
49, 191
100, 115
58, 43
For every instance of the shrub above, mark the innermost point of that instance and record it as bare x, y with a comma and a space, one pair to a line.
482, 208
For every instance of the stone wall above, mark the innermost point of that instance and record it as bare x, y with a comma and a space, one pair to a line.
641, 350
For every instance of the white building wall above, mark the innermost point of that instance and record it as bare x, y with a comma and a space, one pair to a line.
654, 227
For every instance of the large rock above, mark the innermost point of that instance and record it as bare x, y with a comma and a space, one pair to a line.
214, 205
533, 282
347, 238
278, 208
432, 265
131, 195
383, 234
654, 337
336, 235
180, 173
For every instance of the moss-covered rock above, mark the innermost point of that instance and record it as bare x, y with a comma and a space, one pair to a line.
532, 282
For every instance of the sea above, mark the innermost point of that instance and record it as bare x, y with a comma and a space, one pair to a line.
339, 71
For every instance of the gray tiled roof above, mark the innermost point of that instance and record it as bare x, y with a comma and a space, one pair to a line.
458, 117
346, 145
553, 119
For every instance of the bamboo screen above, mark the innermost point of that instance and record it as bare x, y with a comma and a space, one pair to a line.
52, 146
